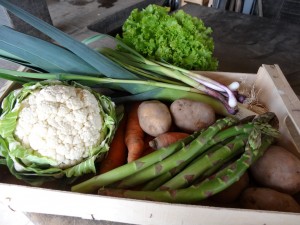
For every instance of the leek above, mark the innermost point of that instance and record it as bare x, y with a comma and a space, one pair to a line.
162, 91
134, 61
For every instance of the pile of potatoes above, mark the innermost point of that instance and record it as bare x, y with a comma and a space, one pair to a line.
155, 117
272, 183
277, 177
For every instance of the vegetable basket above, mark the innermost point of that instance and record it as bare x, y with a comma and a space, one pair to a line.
270, 88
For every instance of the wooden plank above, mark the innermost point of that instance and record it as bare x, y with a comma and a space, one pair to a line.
280, 98
199, 2
95, 207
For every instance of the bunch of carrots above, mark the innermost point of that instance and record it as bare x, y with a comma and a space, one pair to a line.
130, 142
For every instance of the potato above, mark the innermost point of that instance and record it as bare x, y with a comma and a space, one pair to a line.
154, 117
191, 116
278, 169
232, 193
268, 199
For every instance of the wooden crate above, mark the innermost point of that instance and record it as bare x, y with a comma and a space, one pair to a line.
272, 89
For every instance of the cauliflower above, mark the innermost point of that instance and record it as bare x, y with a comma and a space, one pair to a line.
56, 128
60, 122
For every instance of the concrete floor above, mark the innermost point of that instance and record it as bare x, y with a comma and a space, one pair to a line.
9, 217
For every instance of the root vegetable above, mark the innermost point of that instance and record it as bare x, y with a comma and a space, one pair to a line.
117, 154
154, 117
268, 199
278, 169
134, 135
166, 139
191, 115
232, 193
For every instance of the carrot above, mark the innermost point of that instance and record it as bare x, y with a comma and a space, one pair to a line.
117, 154
166, 139
134, 135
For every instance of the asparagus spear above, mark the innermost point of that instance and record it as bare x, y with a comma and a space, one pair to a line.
207, 139
160, 180
204, 162
208, 187
217, 166
121, 172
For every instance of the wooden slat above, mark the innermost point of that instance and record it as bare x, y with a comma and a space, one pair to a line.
279, 97
200, 2
130, 211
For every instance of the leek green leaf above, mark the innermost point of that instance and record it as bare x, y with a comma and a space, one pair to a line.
53, 59
103, 64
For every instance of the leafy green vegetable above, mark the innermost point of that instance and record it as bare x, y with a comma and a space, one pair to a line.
30, 165
177, 38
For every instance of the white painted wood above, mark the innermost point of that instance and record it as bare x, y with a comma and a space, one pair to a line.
40, 200
276, 93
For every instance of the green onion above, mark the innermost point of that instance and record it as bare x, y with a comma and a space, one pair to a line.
162, 91
132, 60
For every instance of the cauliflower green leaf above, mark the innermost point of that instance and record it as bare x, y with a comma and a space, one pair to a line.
30, 164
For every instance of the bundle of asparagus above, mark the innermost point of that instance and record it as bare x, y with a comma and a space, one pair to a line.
193, 169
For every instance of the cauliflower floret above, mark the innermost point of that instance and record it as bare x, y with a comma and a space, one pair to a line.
60, 122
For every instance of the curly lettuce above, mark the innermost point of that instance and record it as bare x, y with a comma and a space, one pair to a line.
176, 38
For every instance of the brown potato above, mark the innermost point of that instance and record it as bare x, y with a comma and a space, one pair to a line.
154, 117
268, 199
278, 169
232, 193
191, 116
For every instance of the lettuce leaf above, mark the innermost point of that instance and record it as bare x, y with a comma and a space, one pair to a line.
176, 38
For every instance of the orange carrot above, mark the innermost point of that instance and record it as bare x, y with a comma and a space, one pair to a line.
134, 135
166, 139
117, 154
